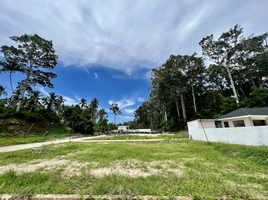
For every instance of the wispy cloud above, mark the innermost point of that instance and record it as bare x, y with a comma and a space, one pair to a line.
96, 75
122, 103
70, 101
42, 89
141, 99
126, 117
87, 71
67, 100
130, 111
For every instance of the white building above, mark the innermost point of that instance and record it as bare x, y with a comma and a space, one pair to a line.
124, 128
247, 126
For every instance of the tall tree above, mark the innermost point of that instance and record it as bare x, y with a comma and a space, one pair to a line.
102, 114
94, 104
11, 63
116, 111
34, 53
224, 51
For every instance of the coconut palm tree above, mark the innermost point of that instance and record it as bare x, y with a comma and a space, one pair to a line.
34, 97
83, 103
51, 101
116, 111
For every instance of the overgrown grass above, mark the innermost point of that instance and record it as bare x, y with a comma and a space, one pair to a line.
177, 167
136, 137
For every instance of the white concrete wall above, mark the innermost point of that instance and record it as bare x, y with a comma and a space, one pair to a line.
256, 135
207, 124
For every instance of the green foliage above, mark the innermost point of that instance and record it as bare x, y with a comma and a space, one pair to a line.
78, 119
258, 98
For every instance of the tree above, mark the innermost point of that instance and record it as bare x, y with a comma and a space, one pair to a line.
83, 102
103, 115
94, 104
2, 91
116, 111
34, 98
51, 101
11, 63
33, 53
223, 51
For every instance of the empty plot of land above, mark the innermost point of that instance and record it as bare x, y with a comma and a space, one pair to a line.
160, 168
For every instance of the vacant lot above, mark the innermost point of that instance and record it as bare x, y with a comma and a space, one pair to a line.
164, 168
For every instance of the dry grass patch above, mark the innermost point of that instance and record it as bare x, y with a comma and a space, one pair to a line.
70, 167
135, 168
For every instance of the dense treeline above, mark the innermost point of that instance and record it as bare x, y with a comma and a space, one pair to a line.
184, 88
35, 57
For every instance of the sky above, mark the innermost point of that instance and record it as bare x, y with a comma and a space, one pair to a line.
107, 49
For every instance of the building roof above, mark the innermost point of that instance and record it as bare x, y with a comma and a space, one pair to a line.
246, 111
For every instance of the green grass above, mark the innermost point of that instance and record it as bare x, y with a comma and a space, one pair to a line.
164, 168
137, 137
35, 135
31, 139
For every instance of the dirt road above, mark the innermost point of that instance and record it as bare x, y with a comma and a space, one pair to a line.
82, 139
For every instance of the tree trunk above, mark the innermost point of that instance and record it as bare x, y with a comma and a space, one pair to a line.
31, 108
194, 97
165, 112
25, 85
243, 92
12, 90
114, 119
214, 99
253, 83
183, 108
233, 86
178, 110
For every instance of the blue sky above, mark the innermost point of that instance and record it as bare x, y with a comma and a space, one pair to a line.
107, 48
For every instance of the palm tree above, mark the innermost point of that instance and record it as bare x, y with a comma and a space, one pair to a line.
59, 106
83, 102
51, 101
16, 96
115, 110
94, 104
34, 97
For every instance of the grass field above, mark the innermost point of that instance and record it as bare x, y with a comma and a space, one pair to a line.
141, 137
164, 168
32, 139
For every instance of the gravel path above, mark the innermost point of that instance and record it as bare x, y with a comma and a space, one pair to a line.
82, 139
39, 144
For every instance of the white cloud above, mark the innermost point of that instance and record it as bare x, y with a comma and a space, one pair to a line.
87, 71
70, 101
122, 103
126, 117
67, 100
127, 35
130, 111
42, 89
96, 75
141, 99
